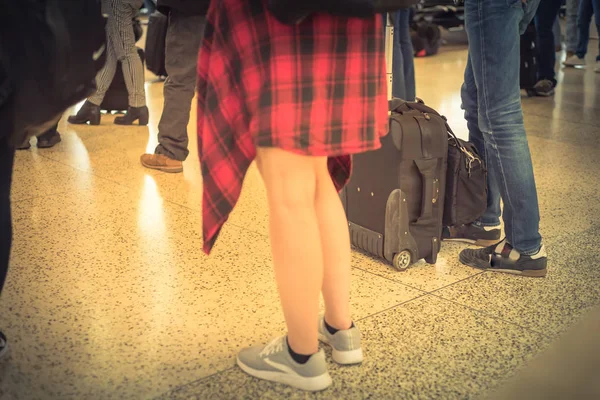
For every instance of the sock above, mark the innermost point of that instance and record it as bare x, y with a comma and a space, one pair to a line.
299, 358
332, 330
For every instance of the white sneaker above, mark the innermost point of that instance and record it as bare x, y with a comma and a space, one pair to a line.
597, 67
345, 344
574, 61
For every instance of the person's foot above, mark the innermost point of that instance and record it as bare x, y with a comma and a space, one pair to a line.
3, 345
544, 88
473, 234
502, 257
161, 163
597, 67
345, 344
49, 139
88, 112
274, 362
133, 114
570, 54
26, 145
573, 61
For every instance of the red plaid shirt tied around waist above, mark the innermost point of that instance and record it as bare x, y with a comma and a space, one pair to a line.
317, 88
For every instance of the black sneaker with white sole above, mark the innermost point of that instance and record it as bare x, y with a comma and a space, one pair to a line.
502, 257
544, 88
473, 234
3, 345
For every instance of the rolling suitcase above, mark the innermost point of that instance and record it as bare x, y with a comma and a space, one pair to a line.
529, 66
394, 200
156, 43
117, 97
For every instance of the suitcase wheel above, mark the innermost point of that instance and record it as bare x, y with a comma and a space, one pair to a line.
402, 260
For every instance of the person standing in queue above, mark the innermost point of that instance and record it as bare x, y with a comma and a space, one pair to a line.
187, 19
491, 98
120, 47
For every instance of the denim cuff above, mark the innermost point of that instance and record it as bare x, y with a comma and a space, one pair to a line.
487, 223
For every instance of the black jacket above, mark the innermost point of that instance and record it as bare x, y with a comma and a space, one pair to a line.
191, 7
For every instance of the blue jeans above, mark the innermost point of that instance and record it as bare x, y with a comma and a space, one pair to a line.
491, 99
587, 8
544, 23
403, 85
403, 79
572, 31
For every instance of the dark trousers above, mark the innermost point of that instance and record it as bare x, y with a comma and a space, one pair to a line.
587, 9
184, 36
150, 6
545, 17
7, 155
403, 65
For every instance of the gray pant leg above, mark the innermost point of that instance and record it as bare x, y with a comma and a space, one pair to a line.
184, 36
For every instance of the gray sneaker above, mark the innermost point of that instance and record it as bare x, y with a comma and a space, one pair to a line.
574, 61
346, 346
273, 362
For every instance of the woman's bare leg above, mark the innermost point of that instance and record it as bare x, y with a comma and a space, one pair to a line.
291, 182
335, 240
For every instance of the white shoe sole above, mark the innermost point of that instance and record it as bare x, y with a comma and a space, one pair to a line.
314, 384
480, 242
343, 357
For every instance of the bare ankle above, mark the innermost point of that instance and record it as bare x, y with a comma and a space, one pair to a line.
303, 347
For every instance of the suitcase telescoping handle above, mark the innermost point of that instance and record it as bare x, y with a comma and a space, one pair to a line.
389, 51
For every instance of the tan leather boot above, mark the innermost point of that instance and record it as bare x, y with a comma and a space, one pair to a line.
161, 163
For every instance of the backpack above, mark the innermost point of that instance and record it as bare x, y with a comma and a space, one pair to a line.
465, 198
50, 53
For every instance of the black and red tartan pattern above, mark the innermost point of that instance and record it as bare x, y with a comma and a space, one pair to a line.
317, 88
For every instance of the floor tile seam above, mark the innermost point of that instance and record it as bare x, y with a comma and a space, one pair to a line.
178, 387
401, 304
416, 288
391, 279
490, 315
546, 336
478, 273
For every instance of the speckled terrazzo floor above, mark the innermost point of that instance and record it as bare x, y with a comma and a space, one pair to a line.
110, 297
